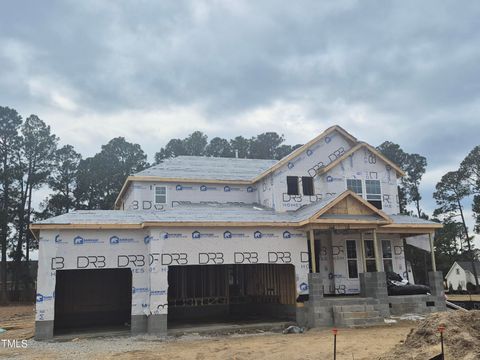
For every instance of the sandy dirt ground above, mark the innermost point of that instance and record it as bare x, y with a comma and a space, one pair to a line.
362, 343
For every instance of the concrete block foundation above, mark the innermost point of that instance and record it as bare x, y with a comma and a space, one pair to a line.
371, 306
43, 330
138, 324
157, 324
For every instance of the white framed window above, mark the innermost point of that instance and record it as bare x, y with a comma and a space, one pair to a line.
160, 194
387, 256
355, 185
373, 192
352, 259
370, 256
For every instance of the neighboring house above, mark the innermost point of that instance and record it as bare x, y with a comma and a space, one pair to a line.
461, 273
206, 238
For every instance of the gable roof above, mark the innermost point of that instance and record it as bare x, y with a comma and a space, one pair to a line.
467, 266
354, 149
213, 170
296, 152
194, 169
350, 207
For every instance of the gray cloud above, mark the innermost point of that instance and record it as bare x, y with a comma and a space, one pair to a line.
403, 71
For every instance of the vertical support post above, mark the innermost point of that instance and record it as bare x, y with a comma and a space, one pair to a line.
312, 250
362, 246
378, 252
434, 265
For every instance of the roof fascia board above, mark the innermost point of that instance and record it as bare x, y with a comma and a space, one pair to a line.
357, 147
392, 228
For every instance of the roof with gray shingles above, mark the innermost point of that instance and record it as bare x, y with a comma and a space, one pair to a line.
206, 213
467, 265
211, 168
406, 219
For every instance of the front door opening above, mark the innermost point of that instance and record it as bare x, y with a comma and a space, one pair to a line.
237, 293
92, 299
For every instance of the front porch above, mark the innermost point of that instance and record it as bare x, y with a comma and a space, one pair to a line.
352, 247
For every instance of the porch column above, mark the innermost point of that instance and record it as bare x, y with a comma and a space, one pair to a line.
312, 250
432, 252
362, 246
378, 251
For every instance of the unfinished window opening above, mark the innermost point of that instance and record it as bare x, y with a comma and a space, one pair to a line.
387, 256
374, 193
160, 194
224, 293
352, 261
307, 185
292, 185
92, 299
370, 256
355, 185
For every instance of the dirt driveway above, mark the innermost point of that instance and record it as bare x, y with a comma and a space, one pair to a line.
365, 343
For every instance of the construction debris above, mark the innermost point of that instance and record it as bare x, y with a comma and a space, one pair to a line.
461, 337
294, 330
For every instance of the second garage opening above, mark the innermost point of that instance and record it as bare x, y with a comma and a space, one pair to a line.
225, 293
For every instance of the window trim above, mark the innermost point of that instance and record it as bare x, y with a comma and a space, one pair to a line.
155, 195
370, 258
381, 192
391, 253
361, 185
349, 259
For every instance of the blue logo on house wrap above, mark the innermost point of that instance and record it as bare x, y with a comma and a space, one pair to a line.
303, 286
178, 187
59, 240
139, 290
290, 165
197, 235
203, 188
78, 240
226, 188
41, 298
158, 292
115, 240
288, 235
227, 235
250, 189
259, 235
147, 239
327, 139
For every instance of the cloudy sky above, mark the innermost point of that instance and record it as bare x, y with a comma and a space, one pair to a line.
404, 71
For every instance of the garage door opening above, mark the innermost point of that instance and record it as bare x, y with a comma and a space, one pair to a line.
92, 300
231, 293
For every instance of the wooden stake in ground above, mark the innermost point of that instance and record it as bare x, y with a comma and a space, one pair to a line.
334, 343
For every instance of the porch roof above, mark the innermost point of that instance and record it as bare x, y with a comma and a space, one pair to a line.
325, 213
